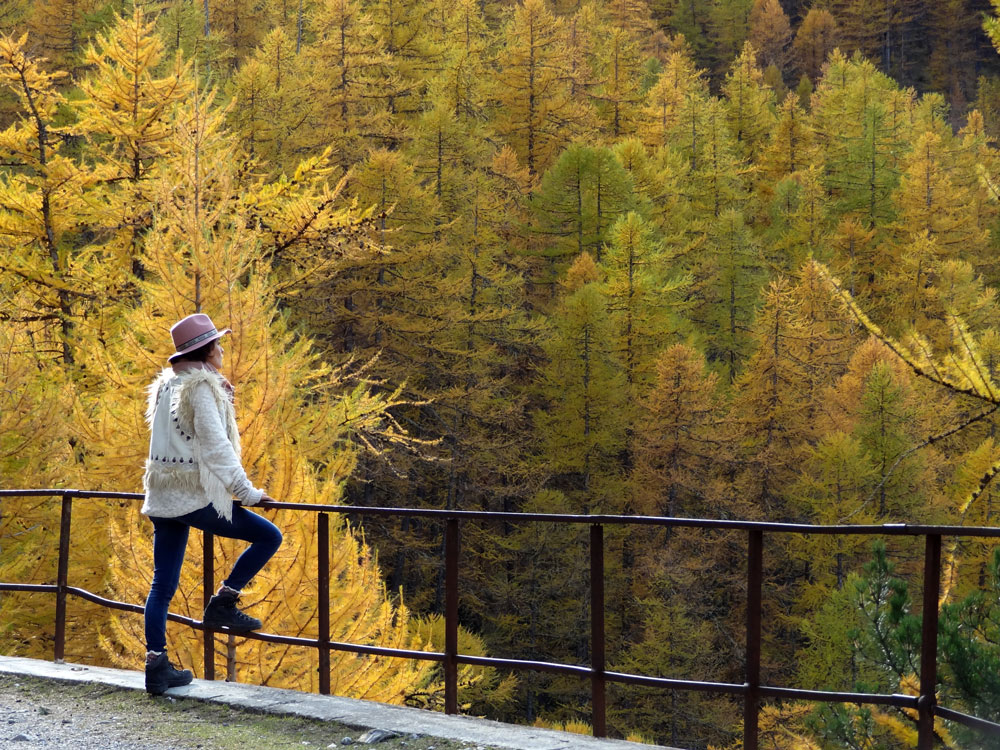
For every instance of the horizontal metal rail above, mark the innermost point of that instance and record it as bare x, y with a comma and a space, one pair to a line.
752, 691
887, 529
986, 727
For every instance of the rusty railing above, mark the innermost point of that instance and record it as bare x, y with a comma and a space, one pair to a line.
752, 691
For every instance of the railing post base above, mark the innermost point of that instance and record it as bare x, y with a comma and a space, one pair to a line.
451, 616
755, 575
62, 577
928, 643
598, 682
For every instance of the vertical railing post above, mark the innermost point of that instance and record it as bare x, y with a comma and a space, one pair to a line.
323, 581
451, 616
62, 576
597, 645
208, 588
755, 575
928, 643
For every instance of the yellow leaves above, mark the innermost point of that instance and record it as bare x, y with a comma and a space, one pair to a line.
959, 369
992, 25
782, 727
583, 271
23, 74
905, 732
126, 111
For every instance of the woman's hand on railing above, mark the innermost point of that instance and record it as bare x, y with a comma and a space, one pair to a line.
265, 498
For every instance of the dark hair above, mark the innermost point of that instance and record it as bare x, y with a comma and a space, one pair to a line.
200, 354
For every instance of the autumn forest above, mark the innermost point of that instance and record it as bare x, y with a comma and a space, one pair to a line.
707, 258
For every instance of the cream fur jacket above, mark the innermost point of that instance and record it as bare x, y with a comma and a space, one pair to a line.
194, 447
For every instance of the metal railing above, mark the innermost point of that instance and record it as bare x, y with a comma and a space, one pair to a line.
925, 704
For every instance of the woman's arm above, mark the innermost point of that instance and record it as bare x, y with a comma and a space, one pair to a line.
216, 451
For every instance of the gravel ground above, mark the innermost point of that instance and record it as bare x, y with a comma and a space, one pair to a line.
46, 714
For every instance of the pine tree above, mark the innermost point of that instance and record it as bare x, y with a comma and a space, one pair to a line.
639, 297
725, 289
350, 115
749, 104
582, 430
678, 453
536, 115
577, 201
675, 101
617, 96
43, 206
125, 114
770, 33
815, 39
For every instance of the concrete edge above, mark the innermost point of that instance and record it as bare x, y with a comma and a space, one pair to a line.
353, 712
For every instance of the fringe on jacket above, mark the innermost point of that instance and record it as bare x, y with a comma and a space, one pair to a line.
197, 477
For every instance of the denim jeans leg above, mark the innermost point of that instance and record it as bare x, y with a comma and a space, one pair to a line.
169, 542
264, 538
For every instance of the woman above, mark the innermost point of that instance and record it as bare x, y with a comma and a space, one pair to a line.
192, 473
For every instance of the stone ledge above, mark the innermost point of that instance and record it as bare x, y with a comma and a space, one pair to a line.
356, 713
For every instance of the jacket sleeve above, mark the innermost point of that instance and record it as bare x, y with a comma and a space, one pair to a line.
216, 451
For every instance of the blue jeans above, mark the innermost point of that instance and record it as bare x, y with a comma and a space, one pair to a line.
169, 542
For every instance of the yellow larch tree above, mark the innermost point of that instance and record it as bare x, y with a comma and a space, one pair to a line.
58, 28
814, 41
351, 116
537, 115
617, 97
680, 91
61, 288
277, 111
34, 452
749, 103
237, 27
770, 32
124, 113
962, 368
791, 141
297, 419
42, 204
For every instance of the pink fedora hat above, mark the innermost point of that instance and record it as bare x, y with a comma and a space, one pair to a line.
192, 332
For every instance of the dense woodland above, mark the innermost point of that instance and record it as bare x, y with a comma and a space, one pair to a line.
707, 258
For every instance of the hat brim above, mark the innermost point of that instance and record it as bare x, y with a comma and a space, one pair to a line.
218, 335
